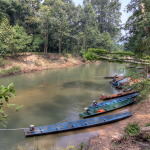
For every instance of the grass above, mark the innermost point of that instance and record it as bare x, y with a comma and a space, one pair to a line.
147, 124
35, 146
10, 71
2, 62
133, 129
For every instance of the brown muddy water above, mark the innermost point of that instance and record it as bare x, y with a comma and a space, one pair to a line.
56, 96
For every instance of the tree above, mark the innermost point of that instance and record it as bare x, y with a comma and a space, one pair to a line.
44, 21
58, 25
138, 27
108, 15
13, 39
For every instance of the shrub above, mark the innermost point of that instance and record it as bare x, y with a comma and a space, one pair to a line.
2, 62
133, 129
98, 51
90, 56
123, 53
147, 124
10, 71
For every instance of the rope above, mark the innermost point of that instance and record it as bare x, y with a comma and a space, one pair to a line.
11, 129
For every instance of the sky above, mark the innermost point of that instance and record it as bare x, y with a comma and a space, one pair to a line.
124, 16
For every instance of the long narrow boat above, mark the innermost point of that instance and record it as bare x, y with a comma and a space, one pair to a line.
119, 78
110, 105
103, 97
66, 126
108, 77
121, 82
112, 77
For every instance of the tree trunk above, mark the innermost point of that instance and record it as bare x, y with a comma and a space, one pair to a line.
142, 7
46, 41
59, 46
84, 43
46, 44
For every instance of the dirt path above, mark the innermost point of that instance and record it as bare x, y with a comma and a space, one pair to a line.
141, 115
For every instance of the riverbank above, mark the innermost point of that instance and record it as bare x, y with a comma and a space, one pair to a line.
107, 136
30, 62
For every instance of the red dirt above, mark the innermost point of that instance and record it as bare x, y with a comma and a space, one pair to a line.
33, 62
141, 115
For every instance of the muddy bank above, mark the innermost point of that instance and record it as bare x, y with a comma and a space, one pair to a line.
33, 62
141, 115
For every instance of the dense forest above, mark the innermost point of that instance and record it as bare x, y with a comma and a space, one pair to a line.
137, 39
58, 26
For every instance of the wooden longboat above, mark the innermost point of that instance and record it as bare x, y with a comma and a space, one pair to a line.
112, 77
108, 77
110, 105
119, 78
121, 82
103, 97
66, 126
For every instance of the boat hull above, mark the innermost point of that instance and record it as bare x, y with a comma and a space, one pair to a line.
110, 105
66, 126
121, 82
117, 95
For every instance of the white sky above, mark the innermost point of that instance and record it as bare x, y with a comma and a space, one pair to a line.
124, 16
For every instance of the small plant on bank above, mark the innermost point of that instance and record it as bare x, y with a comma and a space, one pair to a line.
2, 62
90, 56
70, 147
37, 64
10, 71
81, 146
133, 129
147, 124
65, 59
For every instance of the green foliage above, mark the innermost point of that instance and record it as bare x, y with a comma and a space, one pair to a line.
143, 86
20, 41
90, 56
13, 39
5, 94
52, 26
2, 62
133, 129
98, 51
138, 39
37, 43
106, 10
10, 71
120, 53
5, 35
134, 73
112, 56
147, 124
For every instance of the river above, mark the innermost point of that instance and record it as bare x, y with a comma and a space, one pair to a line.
55, 96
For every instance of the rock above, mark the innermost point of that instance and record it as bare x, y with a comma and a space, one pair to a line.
145, 129
116, 137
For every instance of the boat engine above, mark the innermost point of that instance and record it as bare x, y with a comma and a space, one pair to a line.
95, 103
86, 110
31, 127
